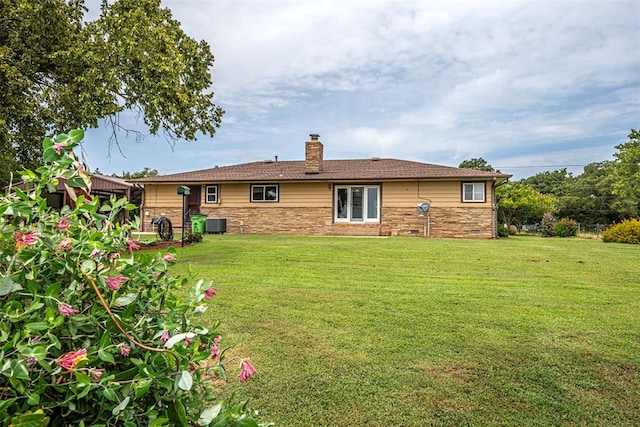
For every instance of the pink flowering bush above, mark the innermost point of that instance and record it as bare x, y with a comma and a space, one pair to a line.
565, 228
91, 334
546, 225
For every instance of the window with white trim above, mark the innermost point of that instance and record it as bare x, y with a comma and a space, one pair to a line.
473, 192
357, 203
211, 194
264, 193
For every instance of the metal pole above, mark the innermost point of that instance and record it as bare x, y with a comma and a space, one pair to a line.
424, 224
184, 213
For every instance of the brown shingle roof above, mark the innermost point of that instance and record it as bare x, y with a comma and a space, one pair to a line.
334, 170
98, 183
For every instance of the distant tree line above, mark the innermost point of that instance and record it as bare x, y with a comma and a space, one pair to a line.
146, 172
604, 193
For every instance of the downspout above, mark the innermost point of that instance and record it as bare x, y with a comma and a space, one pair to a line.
495, 185
427, 214
142, 217
127, 194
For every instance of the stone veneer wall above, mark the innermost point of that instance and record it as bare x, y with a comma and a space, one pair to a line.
462, 222
258, 220
172, 213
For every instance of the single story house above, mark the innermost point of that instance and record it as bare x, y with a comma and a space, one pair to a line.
370, 197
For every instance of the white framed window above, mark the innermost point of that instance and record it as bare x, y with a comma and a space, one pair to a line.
473, 192
357, 203
264, 193
211, 194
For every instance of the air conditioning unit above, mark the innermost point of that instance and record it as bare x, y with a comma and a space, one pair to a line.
216, 225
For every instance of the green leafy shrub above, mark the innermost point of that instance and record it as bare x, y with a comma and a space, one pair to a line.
192, 236
628, 231
547, 224
565, 228
90, 335
503, 230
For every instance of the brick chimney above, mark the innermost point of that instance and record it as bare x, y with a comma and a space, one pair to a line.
313, 155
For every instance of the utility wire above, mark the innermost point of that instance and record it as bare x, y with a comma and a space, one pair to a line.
539, 166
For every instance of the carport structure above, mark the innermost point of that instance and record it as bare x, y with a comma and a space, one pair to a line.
102, 187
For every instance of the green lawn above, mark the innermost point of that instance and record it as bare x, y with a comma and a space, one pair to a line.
405, 331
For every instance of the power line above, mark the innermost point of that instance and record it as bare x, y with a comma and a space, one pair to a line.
539, 166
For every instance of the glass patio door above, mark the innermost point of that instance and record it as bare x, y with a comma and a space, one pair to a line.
357, 203
357, 194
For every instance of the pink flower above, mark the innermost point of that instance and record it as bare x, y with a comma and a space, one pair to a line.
124, 349
66, 310
31, 359
155, 275
164, 337
96, 373
168, 257
215, 349
65, 244
35, 340
208, 293
188, 340
25, 239
63, 224
95, 253
71, 359
58, 146
246, 371
115, 282
132, 245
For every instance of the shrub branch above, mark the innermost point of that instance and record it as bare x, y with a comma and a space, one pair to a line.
124, 332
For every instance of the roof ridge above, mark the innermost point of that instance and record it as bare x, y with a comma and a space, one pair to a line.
378, 169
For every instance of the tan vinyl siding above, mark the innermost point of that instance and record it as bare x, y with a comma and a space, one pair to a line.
162, 195
441, 193
290, 195
316, 194
234, 195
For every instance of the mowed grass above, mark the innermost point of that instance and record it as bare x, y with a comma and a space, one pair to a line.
401, 331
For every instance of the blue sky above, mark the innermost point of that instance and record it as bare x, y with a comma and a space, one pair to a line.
544, 84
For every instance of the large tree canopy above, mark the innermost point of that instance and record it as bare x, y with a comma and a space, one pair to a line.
627, 175
549, 182
522, 204
59, 71
606, 192
478, 164
589, 197
146, 172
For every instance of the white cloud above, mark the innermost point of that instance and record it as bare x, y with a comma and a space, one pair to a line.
379, 142
430, 81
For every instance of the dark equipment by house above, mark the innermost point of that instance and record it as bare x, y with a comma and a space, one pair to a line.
216, 225
165, 229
